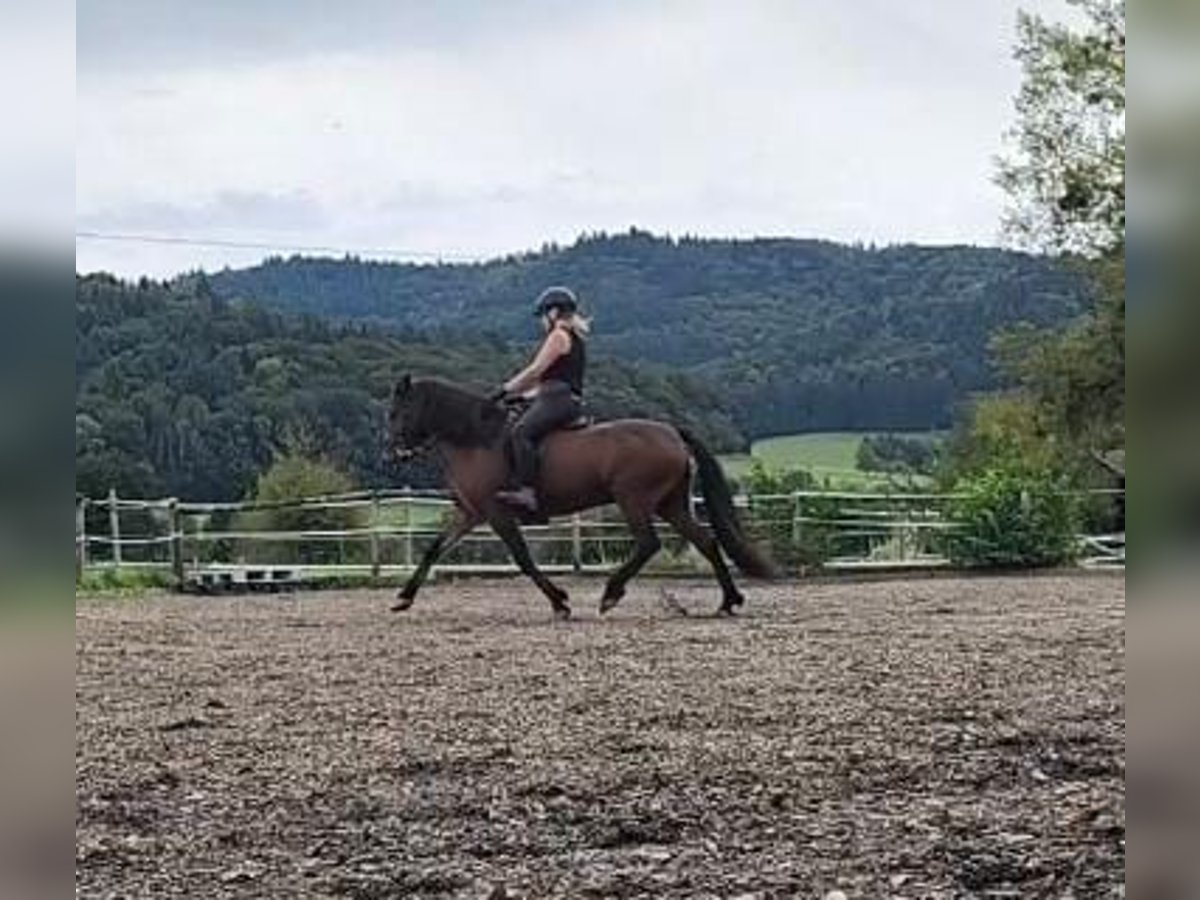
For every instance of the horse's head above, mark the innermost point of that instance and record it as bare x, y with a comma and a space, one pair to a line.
407, 433
431, 409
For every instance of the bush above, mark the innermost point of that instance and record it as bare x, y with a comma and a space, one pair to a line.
291, 478
773, 521
897, 454
1012, 517
999, 431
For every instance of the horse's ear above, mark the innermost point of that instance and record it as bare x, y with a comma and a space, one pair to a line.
404, 386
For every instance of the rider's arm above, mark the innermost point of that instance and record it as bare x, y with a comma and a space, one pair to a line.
556, 344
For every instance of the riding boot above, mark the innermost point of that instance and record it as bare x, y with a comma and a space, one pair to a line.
524, 471
524, 497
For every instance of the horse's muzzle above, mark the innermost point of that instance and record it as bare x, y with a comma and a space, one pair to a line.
391, 455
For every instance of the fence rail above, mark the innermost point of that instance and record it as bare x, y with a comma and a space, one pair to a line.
383, 533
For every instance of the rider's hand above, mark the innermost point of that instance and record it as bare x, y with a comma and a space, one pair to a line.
498, 394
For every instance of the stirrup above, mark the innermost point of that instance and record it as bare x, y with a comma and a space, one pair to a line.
523, 498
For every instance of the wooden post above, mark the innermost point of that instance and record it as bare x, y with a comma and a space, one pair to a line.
577, 542
375, 535
797, 554
114, 527
176, 543
408, 528
81, 548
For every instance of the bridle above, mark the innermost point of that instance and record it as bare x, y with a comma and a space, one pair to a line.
408, 454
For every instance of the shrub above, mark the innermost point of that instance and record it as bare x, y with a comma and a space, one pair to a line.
1010, 517
773, 513
898, 454
291, 478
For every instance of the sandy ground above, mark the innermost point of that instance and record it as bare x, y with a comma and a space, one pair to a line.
918, 738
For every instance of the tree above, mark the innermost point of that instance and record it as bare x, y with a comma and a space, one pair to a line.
292, 478
295, 476
1003, 429
1066, 177
180, 393
1066, 181
795, 335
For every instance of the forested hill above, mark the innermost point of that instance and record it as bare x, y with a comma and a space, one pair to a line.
181, 392
801, 334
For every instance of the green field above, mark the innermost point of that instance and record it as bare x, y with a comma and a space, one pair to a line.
830, 455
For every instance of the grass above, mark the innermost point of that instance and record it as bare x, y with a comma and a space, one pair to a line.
832, 456
111, 581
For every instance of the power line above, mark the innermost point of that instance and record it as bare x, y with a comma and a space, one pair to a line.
189, 241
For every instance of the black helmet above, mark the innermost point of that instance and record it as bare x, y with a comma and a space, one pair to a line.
559, 298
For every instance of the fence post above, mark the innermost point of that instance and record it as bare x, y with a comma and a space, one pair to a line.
408, 529
374, 535
80, 537
114, 527
796, 523
176, 543
577, 543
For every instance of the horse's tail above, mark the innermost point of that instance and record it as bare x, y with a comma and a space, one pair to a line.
718, 497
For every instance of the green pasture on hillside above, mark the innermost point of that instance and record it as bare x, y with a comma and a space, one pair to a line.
831, 456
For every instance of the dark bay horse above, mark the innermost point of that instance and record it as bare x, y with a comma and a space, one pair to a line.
644, 467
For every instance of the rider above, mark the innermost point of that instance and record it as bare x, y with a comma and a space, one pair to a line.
554, 380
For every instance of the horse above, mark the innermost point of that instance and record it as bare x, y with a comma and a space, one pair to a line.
643, 466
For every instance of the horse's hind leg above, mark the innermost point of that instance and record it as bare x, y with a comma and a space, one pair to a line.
510, 532
675, 511
646, 544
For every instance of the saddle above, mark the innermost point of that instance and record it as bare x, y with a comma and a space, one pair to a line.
515, 406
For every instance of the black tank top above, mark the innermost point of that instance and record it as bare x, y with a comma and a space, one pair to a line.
569, 367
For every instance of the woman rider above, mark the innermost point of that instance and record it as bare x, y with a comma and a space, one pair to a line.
554, 380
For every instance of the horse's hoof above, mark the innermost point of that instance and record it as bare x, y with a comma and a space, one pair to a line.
727, 611
402, 604
611, 599
562, 613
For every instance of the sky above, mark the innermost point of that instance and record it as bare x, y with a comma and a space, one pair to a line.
462, 130
37, 149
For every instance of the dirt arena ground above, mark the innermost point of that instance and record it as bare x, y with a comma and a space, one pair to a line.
931, 737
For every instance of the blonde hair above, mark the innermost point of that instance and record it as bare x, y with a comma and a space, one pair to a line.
574, 321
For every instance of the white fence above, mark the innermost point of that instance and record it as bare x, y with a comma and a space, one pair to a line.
384, 533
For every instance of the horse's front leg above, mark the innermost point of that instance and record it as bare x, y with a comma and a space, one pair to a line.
464, 520
510, 532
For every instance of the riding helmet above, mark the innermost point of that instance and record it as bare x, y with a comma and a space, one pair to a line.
560, 298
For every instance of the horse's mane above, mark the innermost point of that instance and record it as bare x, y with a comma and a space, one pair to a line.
455, 414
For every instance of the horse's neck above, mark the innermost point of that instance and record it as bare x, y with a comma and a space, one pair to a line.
452, 418
472, 471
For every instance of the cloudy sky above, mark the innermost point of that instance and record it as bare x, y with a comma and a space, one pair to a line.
465, 129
